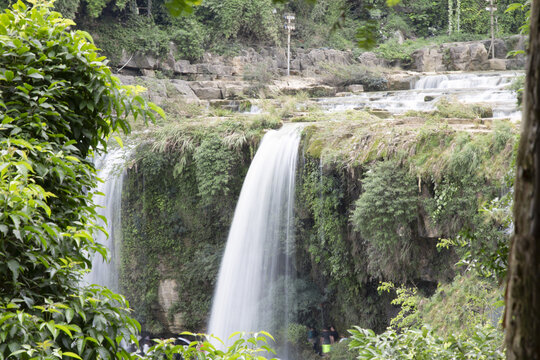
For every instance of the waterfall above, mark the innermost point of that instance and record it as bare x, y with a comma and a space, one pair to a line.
253, 291
489, 88
110, 170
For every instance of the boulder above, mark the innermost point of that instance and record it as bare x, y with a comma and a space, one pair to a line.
500, 48
148, 73
184, 67
356, 88
369, 59
232, 90
142, 61
516, 43
467, 56
479, 56
400, 81
206, 90
428, 59
497, 64
181, 88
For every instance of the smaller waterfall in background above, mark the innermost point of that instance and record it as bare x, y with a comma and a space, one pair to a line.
111, 170
255, 288
491, 88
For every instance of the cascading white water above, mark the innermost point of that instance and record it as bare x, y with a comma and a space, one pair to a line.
489, 88
251, 292
110, 170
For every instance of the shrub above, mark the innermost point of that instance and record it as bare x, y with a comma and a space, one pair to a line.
384, 214
60, 104
423, 344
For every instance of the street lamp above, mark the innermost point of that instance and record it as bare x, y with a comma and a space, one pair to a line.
289, 26
491, 8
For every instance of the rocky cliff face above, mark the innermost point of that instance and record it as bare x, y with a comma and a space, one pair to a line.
470, 56
180, 192
219, 77
215, 67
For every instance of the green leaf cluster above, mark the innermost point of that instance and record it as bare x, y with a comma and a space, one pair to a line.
59, 104
424, 344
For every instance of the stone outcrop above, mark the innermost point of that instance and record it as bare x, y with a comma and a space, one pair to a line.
167, 298
218, 77
470, 56
216, 67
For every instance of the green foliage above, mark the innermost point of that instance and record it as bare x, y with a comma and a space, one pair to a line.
188, 35
462, 305
60, 104
68, 8
249, 346
384, 214
297, 334
525, 7
324, 196
214, 168
137, 34
341, 351
251, 20
344, 75
518, 85
407, 299
485, 247
423, 344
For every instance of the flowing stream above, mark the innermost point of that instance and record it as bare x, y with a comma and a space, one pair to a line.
110, 169
254, 288
490, 88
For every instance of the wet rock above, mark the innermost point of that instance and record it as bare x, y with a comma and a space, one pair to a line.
356, 88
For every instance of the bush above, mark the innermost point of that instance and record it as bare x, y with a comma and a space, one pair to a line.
297, 334
62, 105
384, 215
344, 75
421, 343
341, 351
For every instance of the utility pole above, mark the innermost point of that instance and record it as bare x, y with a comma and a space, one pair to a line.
289, 26
491, 8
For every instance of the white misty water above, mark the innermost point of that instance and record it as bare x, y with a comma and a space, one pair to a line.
254, 291
489, 88
111, 170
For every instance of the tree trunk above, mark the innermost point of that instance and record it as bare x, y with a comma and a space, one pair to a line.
522, 318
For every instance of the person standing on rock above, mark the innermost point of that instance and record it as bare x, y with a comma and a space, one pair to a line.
326, 341
334, 336
313, 338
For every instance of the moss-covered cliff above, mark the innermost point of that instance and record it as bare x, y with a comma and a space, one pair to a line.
373, 198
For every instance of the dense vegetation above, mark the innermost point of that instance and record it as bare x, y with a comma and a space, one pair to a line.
60, 104
225, 27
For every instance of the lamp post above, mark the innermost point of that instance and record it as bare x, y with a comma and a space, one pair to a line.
289, 26
491, 8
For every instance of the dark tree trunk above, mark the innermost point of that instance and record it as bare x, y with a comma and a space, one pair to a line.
522, 317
